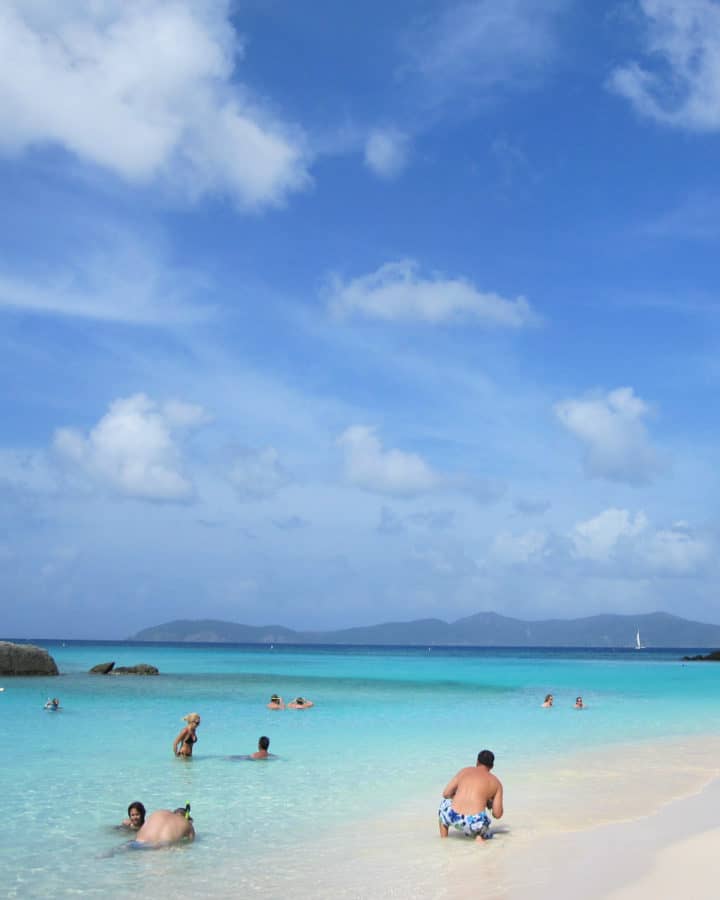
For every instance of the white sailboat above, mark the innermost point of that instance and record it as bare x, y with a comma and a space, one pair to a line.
638, 644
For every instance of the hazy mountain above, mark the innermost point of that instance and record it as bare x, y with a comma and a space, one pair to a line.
485, 629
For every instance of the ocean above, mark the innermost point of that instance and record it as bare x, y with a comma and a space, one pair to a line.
356, 779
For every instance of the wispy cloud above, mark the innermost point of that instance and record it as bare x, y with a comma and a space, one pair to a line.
124, 282
396, 292
386, 152
484, 46
174, 115
369, 465
678, 84
611, 428
256, 474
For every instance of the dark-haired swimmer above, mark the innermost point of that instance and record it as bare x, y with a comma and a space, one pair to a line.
262, 750
136, 816
579, 703
548, 701
164, 827
276, 702
300, 703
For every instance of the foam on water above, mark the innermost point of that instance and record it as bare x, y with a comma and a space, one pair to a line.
389, 728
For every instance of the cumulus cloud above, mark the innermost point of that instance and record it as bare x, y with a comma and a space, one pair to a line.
143, 88
133, 448
256, 474
679, 83
618, 537
370, 466
386, 152
598, 538
396, 292
612, 430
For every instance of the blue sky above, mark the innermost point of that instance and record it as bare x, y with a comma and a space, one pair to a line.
327, 314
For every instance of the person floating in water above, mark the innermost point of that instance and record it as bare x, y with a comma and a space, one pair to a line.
276, 702
53, 703
548, 701
579, 703
262, 750
136, 816
183, 743
300, 703
164, 827
466, 797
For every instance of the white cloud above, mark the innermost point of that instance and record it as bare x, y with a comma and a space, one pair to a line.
132, 449
598, 538
680, 83
395, 292
485, 46
373, 468
256, 474
144, 89
611, 428
123, 283
386, 152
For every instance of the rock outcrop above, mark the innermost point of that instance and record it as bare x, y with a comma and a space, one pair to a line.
102, 668
139, 669
25, 659
711, 657
109, 668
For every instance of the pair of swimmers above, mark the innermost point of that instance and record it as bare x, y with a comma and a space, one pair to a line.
161, 828
549, 700
276, 702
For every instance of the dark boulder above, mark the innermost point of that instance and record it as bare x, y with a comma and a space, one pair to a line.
139, 669
102, 668
25, 659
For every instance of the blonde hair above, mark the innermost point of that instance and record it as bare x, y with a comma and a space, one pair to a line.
191, 717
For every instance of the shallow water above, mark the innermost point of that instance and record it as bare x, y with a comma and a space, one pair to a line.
389, 728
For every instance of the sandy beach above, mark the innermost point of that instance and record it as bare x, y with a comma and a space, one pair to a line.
639, 825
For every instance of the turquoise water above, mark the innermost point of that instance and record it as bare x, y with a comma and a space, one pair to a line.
393, 722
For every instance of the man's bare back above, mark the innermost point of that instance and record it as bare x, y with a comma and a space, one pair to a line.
164, 827
473, 789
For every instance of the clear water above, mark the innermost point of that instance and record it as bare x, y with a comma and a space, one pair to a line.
388, 723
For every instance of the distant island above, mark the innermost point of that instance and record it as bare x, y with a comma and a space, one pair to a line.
485, 629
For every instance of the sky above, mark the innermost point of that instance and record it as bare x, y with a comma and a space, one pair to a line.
327, 314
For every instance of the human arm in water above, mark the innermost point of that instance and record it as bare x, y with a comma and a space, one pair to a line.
179, 742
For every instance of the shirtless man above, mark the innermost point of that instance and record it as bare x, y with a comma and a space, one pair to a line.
466, 797
164, 827
262, 750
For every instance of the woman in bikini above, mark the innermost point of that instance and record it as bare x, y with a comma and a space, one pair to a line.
183, 743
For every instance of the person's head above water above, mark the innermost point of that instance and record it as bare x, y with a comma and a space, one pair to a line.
136, 814
192, 718
486, 758
300, 701
276, 698
263, 743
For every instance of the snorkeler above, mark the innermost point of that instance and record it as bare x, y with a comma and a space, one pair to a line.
300, 703
165, 827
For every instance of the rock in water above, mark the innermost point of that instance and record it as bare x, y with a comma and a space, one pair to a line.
139, 669
25, 659
101, 668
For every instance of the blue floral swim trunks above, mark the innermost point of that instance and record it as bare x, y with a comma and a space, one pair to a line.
470, 825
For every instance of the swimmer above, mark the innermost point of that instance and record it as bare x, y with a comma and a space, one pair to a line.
53, 704
165, 827
300, 703
183, 743
276, 702
579, 703
262, 750
548, 701
136, 816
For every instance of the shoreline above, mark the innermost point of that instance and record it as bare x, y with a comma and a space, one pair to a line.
588, 848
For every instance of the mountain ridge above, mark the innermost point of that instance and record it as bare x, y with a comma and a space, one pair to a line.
483, 629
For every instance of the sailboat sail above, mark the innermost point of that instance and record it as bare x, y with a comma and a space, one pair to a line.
638, 644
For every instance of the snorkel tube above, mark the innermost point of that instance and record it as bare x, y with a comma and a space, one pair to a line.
187, 810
